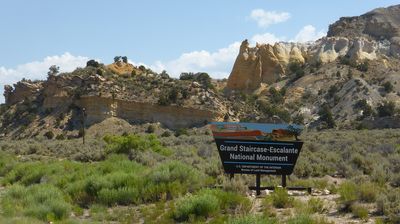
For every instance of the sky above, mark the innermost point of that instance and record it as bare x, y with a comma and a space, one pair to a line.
174, 35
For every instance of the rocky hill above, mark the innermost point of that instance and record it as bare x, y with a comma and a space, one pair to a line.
357, 63
349, 79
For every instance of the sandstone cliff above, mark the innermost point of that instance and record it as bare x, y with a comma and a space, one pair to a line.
372, 36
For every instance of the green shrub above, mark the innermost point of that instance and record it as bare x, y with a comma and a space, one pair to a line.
150, 129
280, 198
252, 219
316, 205
49, 135
122, 196
181, 131
60, 137
301, 219
133, 143
387, 108
348, 194
359, 211
202, 205
367, 192
166, 134
388, 86
44, 202
230, 200
326, 116
388, 203
170, 180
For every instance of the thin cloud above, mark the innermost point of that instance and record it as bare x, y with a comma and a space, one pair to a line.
267, 18
216, 63
308, 33
266, 38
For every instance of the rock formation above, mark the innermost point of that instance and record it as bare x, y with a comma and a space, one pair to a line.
263, 63
371, 36
378, 24
122, 68
22, 90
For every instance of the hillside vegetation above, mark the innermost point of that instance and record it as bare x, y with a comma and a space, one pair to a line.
158, 177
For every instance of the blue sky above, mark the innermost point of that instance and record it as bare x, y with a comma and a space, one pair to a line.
174, 35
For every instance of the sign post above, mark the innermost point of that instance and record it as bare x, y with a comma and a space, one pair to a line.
250, 148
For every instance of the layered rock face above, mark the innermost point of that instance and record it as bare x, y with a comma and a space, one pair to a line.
21, 91
371, 36
378, 24
100, 108
263, 63
104, 98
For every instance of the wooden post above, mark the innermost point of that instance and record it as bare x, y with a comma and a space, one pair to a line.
283, 180
258, 183
231, 176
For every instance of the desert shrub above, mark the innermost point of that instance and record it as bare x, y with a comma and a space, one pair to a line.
166, 134
388, 203
229, 200
277, 97
170, 180
362, 163
367, 192
44, 202
280, 198
195, 206
150, 129
395, 180
7, 162
300, 219
363, 105
252, 219
297, 69
388, 87
93, 63
359, 211
326, 116
380, 175
348, 194
332, 91
274, 110
186, 76
49, 135
25, 173
60, 137
181, 131
387, 108
121, 196
130, 144
316, 205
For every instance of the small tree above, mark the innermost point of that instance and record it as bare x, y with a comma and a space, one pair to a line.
326, 115
125, 59
388, 87
92, 63
186, 76
53, 70
117, 59
386, 109
49, 135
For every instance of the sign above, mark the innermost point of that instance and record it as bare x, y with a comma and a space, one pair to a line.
251, 148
